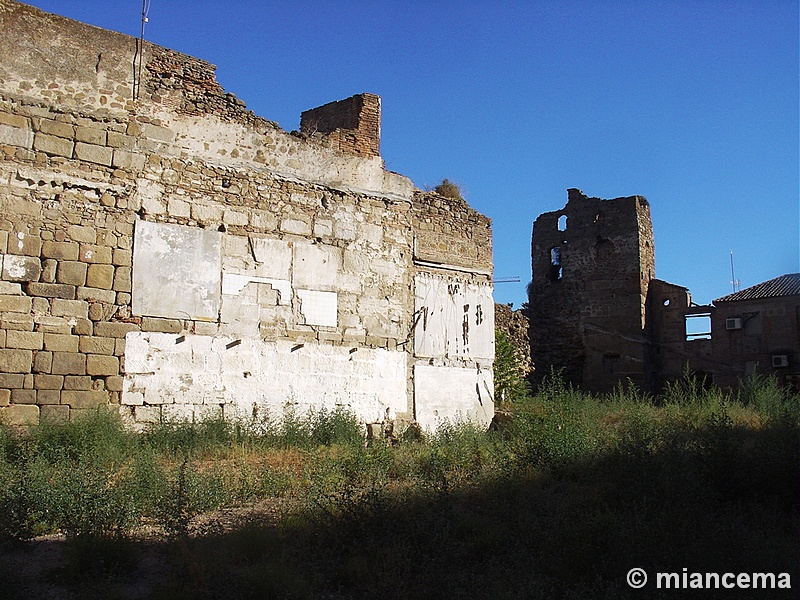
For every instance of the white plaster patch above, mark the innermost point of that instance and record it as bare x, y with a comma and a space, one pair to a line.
318, 308
316, 266
249, 376
452, 393
274, 256
176, 271
453, 318
233, 284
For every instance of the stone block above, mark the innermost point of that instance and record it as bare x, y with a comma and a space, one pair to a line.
47, 324
102, 365
72, 272
114, 383
82, 234
100, 276
17, 121
25, 340
83, 327
124, 159
51, 290
68, 363
97, 295
7, 288
49, 266
203, 328
95, 254
25, 244
122, 279
91, 135
235, 218
16, 321
122, 258
15, 360
120, 140
60, 250
48, 382
84, 398
119, 347
54, 342
23, 396
19, 304
20, 415
5, 397
43, 362
15, 136
56, 128
51, 413
92, 153
21, 268
53, 145
155, 132
295, 226
162, 325
97, 345
48, 397
69, 308
178, 208
114, 329
77, 382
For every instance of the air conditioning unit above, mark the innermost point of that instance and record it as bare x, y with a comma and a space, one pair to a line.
733, 323
779, 360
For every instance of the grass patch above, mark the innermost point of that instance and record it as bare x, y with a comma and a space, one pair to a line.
560, 503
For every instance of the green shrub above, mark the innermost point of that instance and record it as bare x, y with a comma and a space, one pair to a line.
510, 382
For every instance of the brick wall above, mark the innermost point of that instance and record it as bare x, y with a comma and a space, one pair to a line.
352, 125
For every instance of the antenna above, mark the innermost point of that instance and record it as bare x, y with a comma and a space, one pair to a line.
139, 54
734, 282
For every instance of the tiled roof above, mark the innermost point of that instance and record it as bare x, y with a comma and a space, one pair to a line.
785, 285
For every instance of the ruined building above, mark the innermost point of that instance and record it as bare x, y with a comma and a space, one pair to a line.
592, 264
169, 254
599, 315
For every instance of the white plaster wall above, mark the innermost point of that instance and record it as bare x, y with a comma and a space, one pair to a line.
176, 271
190, 374
454, 318
452, 393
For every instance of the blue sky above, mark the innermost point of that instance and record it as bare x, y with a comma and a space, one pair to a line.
692, 104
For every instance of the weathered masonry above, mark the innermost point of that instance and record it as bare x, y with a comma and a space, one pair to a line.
169, 254
592, 264
598, 314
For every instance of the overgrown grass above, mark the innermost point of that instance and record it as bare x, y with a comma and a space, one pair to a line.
560, 503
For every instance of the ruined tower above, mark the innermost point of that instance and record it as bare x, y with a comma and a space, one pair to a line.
592, 263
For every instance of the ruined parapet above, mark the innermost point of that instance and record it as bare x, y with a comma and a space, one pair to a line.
592, 263
352, 125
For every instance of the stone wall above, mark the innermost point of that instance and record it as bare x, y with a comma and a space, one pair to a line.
592, 263
169, 254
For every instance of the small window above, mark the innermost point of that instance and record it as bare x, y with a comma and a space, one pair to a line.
562, 223
698, 326
556, 270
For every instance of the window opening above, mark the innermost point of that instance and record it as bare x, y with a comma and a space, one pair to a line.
562, 223
698, 326
556, 270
